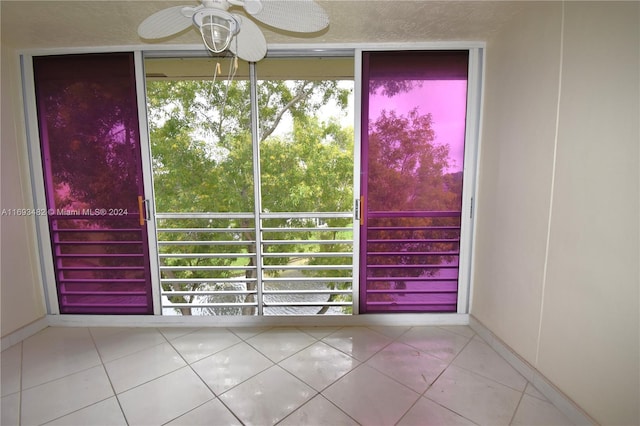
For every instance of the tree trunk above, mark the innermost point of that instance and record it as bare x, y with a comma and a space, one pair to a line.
251, 286
250, 273
324, 309
176, 287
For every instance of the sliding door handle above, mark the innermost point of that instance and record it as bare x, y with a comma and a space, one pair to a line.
141, 210
144, 210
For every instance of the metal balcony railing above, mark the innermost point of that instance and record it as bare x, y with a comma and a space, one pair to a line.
237, 264
412, 261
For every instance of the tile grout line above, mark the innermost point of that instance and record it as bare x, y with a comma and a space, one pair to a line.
315, 393
198, 406
215, 396
21, 376
319, 394
229, 347
513, 416
423, 395
248, 378
420, 394
57, 378
104, 368
340, 409
84, 408
535, 378
475, 373
187, 364
71, 374
360, 364
448, 364
124, 328
163, 375
274, 364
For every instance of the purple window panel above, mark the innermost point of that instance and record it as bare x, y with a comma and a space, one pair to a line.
414, 113
89, 131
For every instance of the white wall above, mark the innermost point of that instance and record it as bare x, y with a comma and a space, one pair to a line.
591, 299
556, 262
20, 288
556, 274
521, 85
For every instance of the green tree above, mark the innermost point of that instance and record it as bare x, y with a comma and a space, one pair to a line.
202, 158
90, 149
408, 172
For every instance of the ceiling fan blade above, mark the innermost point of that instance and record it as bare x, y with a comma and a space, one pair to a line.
249, 44
166, 22
302, 16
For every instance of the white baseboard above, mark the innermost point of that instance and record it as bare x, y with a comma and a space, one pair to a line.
22, 333
255, 321
540, 382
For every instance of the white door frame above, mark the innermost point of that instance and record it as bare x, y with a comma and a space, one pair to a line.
472, 145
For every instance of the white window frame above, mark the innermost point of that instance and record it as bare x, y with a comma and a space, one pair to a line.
470, 173
472, 147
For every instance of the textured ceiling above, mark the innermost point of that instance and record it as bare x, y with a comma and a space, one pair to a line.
46, 24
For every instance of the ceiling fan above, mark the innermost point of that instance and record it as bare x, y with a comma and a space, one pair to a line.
222, 30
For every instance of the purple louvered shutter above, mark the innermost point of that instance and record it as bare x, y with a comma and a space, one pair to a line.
90, 144
413, 121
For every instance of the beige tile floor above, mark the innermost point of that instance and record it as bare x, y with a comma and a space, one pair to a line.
264, 376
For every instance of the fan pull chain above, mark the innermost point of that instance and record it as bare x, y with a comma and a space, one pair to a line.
233, 68
216, 70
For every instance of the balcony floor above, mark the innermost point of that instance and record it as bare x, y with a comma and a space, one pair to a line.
263, 376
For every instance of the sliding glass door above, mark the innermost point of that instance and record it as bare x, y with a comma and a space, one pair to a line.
253, 182
253, 171
412, 155
90, 148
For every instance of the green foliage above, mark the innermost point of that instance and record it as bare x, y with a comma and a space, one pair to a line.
202, 157
92, 134
309, 171
406, 167
407, 171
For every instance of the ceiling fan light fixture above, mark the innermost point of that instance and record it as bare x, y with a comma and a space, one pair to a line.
241, 36
217, 28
